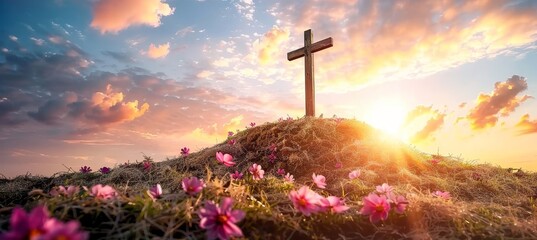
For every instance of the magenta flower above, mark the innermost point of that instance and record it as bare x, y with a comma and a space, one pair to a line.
289, 178
155, 192
147, 165
230, 134
85, 169
319, 180
272, 157
38, 225
104, 170
354, 174
237, 175
220, 221
281, 172
384, 189
305, 200
192, 185
185, 151
231, 142
435, 161
226, 159
68, 231
333, 204
66, 192
400, 203
102, 192
252, 124
256, 171
377, 207
444, 195
273, 147
338, 165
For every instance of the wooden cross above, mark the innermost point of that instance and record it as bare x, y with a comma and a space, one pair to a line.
307, 52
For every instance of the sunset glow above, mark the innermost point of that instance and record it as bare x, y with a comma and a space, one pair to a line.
99, 83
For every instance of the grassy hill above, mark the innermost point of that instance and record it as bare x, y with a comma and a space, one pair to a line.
487, 202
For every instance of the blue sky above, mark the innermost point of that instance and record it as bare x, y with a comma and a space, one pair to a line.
99, 82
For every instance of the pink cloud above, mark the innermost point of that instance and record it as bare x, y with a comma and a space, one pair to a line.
500, 103
159, 51
116, 15
377, 41
526, 125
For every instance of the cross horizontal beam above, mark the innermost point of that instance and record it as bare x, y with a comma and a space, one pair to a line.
318, 46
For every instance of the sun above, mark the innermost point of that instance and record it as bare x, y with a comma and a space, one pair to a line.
388, 116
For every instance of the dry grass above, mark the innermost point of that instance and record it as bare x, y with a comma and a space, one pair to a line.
488, 202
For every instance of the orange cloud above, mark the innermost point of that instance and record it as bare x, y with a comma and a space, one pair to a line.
159, 51
376, 41
433, 124
116, 15
269, 46
500, 103
526, 126
108, 108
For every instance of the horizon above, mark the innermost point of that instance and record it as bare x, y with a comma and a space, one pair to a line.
99, 83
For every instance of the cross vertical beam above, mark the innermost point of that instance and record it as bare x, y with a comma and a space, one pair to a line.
307, 52
309, 74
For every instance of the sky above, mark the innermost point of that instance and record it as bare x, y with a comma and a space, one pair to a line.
103, 82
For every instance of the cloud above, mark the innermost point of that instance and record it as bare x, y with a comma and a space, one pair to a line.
269, 48
246, 8
123, 57
184, 31
159, 51
204, 74
107, 108
502, 101
116, 15
378, 41
526, 125
435, 120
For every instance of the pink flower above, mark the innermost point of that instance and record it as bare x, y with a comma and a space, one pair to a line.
444, 195
220, 221
231, 142
289, 178
400, 202
66, 192
192, 185
333, 204
38, 225
377, 207
85, 169
230, 133
338, 165
226, 159
185, 151
104, 170
319, 180
103, 192
384, 189
256, 171
435, 161
354, 174
237, 175
155, 192
67, 231
252, 124
147, 165
305, 200
281, 171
